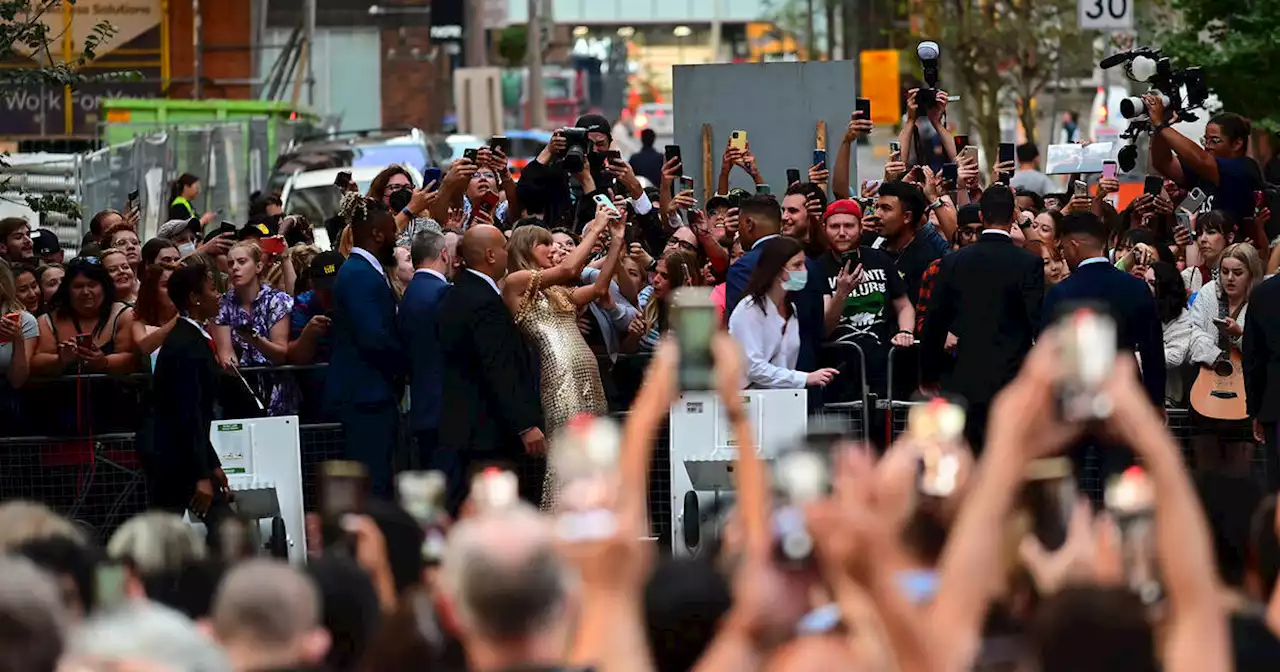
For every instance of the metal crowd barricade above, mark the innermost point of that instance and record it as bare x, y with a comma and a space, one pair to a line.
857, 412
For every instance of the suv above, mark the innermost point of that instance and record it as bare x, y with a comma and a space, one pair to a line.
313, 195
353, 149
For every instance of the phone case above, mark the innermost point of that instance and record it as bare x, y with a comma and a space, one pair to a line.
738, 140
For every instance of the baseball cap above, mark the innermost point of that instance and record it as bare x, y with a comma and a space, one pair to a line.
324, 268
717, 201
174, 227
44, 241
844, 206
254, 230
595, 123
970, 213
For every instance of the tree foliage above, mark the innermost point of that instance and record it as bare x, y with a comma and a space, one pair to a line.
1006, 53
23, 32
1236, 44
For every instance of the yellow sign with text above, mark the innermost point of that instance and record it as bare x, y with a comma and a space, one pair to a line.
881, 84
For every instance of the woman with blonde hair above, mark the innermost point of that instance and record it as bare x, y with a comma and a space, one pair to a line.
1217, 327
19, 336
252, 326
542, 296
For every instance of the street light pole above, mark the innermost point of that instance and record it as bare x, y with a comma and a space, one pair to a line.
537, 97
475, 36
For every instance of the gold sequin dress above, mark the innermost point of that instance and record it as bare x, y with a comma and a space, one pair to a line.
570, 377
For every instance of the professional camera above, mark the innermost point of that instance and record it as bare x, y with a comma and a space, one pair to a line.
575, 149
927, 96
1181, 91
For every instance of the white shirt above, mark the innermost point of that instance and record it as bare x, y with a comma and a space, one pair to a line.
373, 261
199, 326
1002, 232
642, 205
1094, 260
434, 272
487, 279
1204, 347
769, 237
771, 344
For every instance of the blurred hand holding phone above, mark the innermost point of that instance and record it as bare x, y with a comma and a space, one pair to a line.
344, 489
695, 320
1130, 499
422, 495
937, 426
584, 458
1086, 340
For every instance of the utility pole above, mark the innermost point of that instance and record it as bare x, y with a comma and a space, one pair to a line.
537, 96
810, 39
715, 30
197, 51
474, 40
310, 53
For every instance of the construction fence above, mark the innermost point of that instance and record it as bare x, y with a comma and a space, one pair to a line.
232, 160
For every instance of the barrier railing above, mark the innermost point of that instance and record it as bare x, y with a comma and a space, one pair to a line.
98, 479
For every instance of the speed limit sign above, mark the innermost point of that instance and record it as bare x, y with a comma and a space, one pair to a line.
1106, 14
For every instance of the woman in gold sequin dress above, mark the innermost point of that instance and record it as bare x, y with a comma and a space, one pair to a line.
543, 297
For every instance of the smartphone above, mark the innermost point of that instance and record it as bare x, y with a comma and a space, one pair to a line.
343, 180
489, 201
672, 152
695, 319
84, 340
851, 259
430, 175
1183, 222
109, 585
1259, 201
272, 245
1152, 185
951, 172
793, 176
1109, 169
1193, 201
1080, 188
500, 143
938, 426
1222, 321
686, 183
16, 318
969, 153
344, 489
1007, 151
603, 199
738, 140
613, 155
494, 489
895, 148
1049, 496
863, 105
471, 154
962, 141
1130, 499
820, 157
735, 198
763, 189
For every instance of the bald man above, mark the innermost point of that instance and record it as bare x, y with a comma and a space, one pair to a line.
510, 591
266, 616
491, 411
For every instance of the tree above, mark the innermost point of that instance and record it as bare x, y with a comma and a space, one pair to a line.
1006, 53
1235, 44
25, 35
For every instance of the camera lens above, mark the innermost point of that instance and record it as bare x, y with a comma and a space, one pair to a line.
1133, 106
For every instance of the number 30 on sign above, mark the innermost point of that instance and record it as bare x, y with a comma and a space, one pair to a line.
1106, 14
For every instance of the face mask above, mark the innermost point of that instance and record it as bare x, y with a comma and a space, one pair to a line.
187, 249
796, 281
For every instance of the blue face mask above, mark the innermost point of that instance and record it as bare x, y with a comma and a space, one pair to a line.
796, 281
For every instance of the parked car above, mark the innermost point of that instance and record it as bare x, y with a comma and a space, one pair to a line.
353, 149
313, 195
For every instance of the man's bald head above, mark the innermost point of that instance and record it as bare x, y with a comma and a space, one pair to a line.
267, 603
504, 577
484, 249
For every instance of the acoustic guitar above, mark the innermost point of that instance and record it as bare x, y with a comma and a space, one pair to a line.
1218, 392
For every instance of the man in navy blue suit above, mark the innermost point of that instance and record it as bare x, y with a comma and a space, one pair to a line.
759, 220
418, 326
364, 385
1094, 279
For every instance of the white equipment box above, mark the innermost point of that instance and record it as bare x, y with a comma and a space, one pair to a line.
703, 451
263, 462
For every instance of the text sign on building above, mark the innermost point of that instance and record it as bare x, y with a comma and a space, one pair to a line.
881, 84
129, 18
1106, 14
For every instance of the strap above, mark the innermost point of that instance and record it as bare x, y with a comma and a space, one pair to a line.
1224, 341
1204, 274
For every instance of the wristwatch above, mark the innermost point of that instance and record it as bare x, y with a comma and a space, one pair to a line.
936, 204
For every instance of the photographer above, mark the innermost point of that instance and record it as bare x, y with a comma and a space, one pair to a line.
1221, 169
927, 141
568, 195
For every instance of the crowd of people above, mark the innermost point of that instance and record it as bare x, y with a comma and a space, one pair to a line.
502, 312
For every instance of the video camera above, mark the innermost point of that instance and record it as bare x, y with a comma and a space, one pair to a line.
1145, 64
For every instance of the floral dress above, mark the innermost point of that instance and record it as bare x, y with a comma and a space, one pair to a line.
278, 391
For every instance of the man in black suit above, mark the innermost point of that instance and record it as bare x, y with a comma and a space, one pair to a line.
490, 408
1261, 353
991, 292
1094, 279
182, 469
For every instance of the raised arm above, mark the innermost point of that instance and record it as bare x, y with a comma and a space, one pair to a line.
567, 272
600, 288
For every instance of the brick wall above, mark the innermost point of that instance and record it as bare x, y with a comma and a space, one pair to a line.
414, 90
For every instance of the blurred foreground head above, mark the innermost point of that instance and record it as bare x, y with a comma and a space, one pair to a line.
21, 522
142, 636
32, 618
267, 616
508, 590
